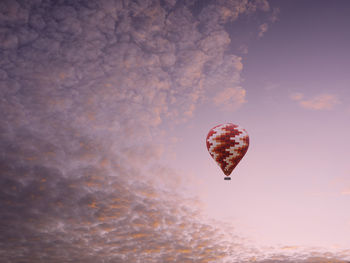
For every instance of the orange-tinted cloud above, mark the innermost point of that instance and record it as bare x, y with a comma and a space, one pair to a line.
263, 29
230, 98
345, 192
319, 102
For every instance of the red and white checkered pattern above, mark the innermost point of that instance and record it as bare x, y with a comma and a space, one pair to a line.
227, 144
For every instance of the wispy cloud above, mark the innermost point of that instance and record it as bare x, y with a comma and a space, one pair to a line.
345, 192
274, 14
297, 96
319, 102
263, 29
230, 98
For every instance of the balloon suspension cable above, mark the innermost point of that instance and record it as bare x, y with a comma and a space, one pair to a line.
227, 178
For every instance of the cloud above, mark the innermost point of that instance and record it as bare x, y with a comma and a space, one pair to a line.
263, 29
85, 86
230, 98
274, 14
223, 84
297, 96
345, 192
243, 49
319, 102
295, 254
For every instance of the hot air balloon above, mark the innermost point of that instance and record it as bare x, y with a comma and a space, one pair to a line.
227, 144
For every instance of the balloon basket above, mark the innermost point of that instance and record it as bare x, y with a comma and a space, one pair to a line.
227, 178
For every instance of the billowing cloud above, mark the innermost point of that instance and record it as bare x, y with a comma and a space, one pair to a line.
319, 102
84, 87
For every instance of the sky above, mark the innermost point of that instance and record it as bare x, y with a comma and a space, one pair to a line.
105, 108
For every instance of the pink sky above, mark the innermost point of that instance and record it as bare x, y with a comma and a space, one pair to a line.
293, 185
105, 108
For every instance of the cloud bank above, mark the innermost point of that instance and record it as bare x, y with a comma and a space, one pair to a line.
84, 87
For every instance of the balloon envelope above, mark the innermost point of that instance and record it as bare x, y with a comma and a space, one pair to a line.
227, 144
